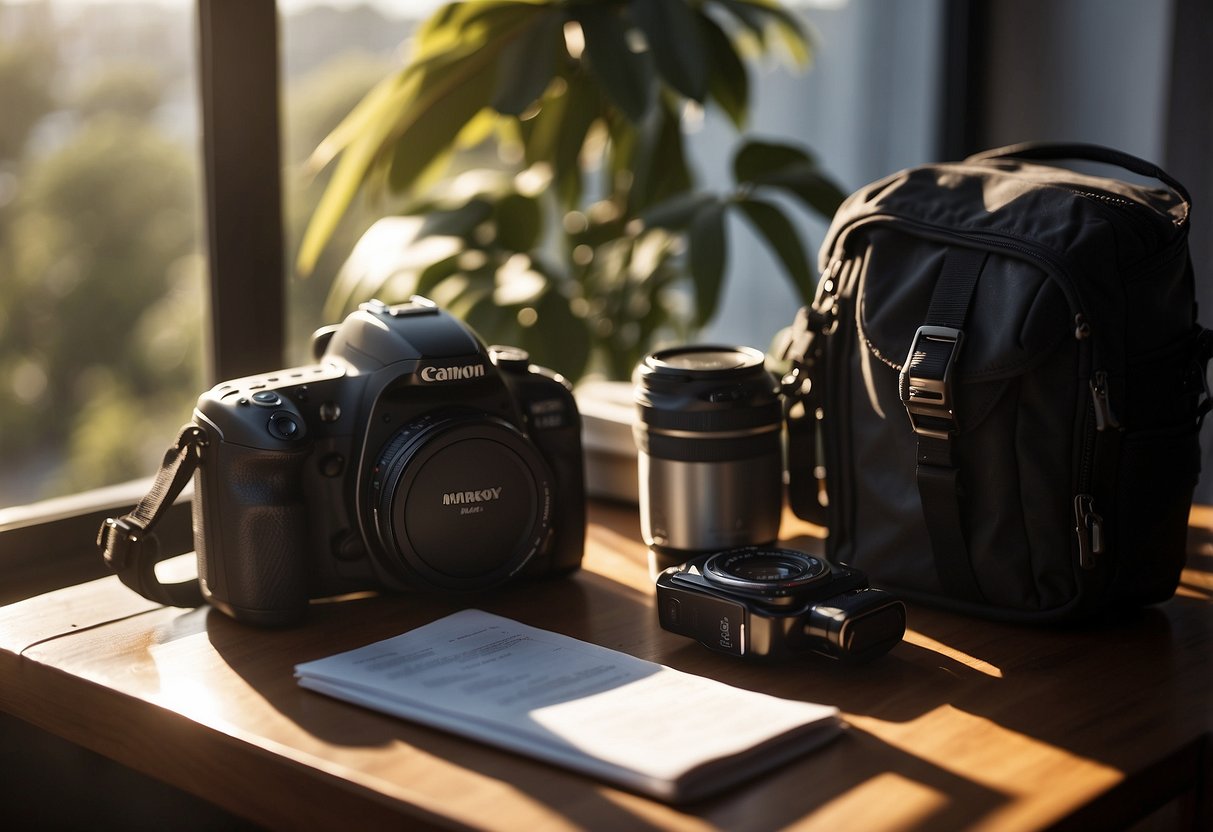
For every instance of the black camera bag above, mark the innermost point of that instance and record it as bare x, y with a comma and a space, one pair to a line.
995, 397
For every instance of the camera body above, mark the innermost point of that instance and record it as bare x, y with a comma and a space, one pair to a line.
771, 603
408, 457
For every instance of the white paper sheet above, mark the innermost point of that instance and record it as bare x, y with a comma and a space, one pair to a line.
632, 722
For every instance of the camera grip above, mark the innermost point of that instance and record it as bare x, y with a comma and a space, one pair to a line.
250, 533
561, 448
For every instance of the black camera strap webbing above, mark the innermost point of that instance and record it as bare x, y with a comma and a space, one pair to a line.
927, 391
803, 390
127, 543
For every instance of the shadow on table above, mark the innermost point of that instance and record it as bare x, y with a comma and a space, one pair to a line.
594, 608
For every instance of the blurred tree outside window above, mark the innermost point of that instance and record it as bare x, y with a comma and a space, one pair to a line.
100, 321
102, 261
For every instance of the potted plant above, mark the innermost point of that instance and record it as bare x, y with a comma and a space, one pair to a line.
540, 145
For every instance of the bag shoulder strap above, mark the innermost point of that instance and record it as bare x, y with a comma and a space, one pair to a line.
127, 543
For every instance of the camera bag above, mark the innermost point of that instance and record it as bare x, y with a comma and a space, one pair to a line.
994, 399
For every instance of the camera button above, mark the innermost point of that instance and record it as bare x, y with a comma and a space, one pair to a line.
267, 398
510, 359
332, 465
285, 426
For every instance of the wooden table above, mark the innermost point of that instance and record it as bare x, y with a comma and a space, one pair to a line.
966, 724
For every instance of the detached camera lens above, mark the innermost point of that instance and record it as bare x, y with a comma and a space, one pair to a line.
709, 454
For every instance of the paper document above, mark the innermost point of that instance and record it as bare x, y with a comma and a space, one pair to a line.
640, 725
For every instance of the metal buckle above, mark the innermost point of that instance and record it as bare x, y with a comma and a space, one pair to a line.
925, 383
116, 539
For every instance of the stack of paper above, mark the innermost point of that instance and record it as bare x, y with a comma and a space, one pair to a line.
640, 725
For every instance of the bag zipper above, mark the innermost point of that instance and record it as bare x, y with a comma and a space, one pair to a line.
1088, 527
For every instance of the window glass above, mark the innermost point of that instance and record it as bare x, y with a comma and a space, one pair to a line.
101, 275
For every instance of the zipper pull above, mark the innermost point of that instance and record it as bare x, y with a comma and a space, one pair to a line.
1089, 529
1104, 417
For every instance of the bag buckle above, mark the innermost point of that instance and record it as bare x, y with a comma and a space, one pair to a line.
925, 383
117, 538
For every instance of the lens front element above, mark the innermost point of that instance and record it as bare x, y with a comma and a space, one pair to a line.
775, 571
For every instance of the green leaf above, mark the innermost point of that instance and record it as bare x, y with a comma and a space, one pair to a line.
404, 125
811, 186
728, 81
557, 133
358, 139
789, 28
519, 222
622, 148
397, 245
750, 18
759, 15
456, 222
436, 118
676, 212
659, 161
355, 159
528, 64
559, 339
382, 99
626, 76
541, 133
789, 168
676, 43
435, 273
757, 159
781, 236
707, 255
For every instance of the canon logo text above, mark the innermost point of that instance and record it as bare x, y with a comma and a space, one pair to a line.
452, 373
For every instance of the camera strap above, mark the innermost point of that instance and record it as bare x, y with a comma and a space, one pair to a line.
127, 543
803, 390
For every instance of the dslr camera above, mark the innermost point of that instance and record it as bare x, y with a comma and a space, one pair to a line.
772, 603
408, 457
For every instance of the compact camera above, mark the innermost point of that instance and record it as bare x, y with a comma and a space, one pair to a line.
775, 603
409, 456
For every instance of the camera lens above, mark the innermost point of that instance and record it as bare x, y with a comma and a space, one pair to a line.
710, 460
460, 501
773, 571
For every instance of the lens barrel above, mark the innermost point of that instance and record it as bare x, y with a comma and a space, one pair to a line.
709, 454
